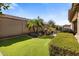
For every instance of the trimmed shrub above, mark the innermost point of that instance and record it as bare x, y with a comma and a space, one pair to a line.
64, 44
68, 30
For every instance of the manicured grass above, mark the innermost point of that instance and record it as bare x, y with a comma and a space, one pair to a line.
24, 47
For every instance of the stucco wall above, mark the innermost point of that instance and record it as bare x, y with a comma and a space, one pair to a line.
11, 26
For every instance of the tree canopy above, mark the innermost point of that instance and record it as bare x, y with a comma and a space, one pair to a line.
4, 6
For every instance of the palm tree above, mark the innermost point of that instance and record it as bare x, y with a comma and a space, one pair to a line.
35, 24
4, 6
40, 23
31, 24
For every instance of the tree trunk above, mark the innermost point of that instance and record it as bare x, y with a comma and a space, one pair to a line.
34, 29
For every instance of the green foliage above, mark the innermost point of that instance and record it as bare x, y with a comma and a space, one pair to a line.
68, 30
4, 6
34, 24
0, 12
51, 23
65, 41
37, 25
58, 27
46, 37
31, 24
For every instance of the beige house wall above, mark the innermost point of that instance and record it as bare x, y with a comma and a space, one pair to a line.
12, 26
74, 19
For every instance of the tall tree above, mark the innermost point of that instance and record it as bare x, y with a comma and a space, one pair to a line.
4, 6
40, 23
51, 23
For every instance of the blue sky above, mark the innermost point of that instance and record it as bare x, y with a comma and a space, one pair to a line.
58, 12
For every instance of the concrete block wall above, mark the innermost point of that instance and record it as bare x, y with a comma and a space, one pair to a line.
12, 25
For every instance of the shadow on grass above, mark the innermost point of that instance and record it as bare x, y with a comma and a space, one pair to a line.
16, 39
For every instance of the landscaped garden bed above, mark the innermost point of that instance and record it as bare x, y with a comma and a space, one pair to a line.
64, 44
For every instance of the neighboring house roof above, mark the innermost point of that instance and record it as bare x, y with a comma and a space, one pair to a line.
12, 17
66, 26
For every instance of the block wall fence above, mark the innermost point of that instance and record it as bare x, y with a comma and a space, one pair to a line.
12, 25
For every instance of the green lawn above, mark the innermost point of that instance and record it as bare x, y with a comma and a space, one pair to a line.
31, 47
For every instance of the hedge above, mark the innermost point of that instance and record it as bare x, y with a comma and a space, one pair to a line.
64, 44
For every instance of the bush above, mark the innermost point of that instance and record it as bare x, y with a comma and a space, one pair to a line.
68, 30
46, 37
33, 34
64, 44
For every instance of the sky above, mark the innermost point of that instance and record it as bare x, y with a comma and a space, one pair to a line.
58, 12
